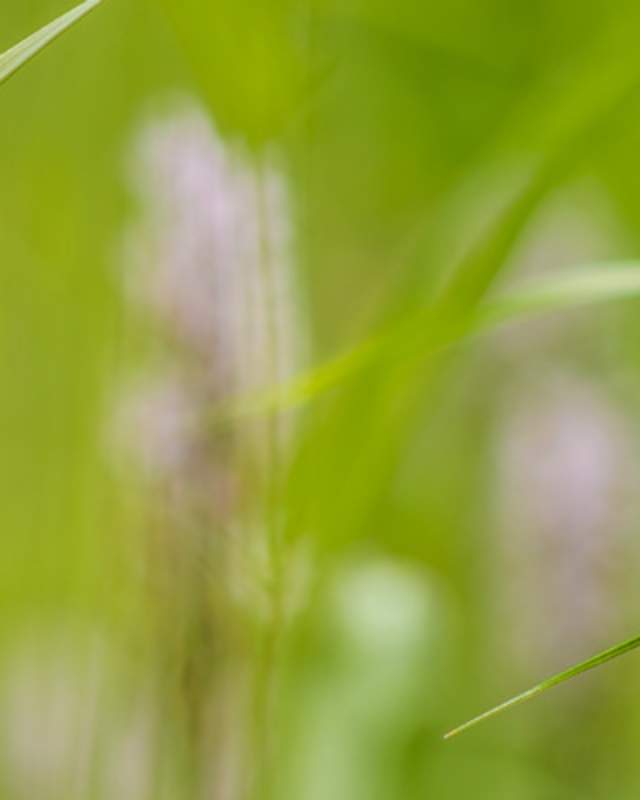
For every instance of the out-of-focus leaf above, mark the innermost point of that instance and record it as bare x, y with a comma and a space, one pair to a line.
573, 288
549, 683
570, 289
248, 57
20, 54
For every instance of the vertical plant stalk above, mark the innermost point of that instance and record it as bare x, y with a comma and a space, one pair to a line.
270, 636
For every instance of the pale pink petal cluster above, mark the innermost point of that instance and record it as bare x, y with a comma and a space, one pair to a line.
564, 477
209, 266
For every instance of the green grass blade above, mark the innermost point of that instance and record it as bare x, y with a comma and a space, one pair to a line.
304, 388
549, 683
570, 289
20, 54
559, 292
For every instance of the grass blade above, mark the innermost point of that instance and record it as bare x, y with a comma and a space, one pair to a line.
559, 292
570, 289
20, 54
549, 683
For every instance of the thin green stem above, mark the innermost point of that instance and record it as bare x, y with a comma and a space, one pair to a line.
549, 683
22, 53
271, 635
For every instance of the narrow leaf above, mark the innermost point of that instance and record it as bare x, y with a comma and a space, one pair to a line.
305, 387
549, 683
20, 54
558, 292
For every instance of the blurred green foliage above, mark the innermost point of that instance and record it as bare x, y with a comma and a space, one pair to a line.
423, 144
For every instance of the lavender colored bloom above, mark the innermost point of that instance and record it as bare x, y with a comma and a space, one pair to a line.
564, 468
55, 693
209, 264
160, 418
208, 274
212, 251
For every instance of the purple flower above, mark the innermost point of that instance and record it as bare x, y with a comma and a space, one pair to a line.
564, 469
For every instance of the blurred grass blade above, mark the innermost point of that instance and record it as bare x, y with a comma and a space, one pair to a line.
570, 289
549, 683
304, 388
20, 54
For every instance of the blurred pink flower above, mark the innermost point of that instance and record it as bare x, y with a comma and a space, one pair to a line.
211, 254
564, 481
208, 263
208, 277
